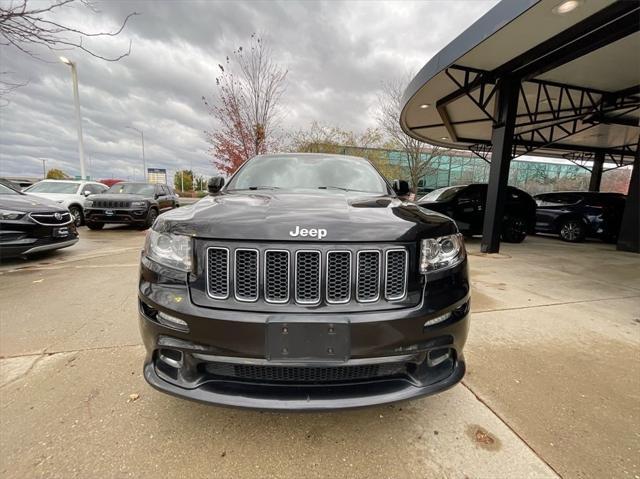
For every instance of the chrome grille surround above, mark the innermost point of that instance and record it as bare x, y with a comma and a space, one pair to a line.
307, 279
336, 283
276, 290
368, 271
220, 288
48, 219
246, 274
396, 265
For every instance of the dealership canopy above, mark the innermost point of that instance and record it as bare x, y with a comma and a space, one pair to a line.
539, 77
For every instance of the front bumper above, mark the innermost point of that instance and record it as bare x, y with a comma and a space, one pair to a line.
118, 216
23, 237
222, 358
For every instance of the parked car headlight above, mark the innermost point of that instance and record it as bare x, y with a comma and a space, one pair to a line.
11, 215
138, 204
169, 250
441, 253
88, 203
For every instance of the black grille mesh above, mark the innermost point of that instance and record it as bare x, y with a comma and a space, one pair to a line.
338, 276
395, 282
276, 289
218, 264
301, 374
246, 279
368, 275
110, 204
308, 276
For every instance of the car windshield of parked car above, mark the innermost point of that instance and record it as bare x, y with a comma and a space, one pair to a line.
64, 187
132, 189
309, 172
443, 194
5, 190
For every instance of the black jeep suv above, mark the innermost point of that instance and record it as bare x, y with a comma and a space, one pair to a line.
305, 283
466, 205
129, 203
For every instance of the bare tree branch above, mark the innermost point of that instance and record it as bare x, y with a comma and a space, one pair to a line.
419, 157
25, 27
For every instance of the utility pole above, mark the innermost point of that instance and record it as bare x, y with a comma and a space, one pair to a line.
144, 161
76, 100
44, 168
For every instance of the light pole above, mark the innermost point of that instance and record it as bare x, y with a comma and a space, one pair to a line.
76, 99
44, 168
144, 161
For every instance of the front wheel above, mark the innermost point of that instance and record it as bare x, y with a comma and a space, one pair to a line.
151, 217
514, 230
572, 230
76, 213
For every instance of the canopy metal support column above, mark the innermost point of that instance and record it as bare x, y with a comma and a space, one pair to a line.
502, 151
629, 237
596, 171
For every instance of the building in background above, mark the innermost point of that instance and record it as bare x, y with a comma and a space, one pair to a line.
157, 175
534, 175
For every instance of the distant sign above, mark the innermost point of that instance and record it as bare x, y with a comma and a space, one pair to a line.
157, 175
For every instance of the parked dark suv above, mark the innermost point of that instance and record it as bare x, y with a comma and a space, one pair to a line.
466, 205
305, 283
575, 215
129, 203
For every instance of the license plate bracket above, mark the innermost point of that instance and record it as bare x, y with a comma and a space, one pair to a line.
61, 232
309, 341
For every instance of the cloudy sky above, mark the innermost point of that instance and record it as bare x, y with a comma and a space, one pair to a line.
337, 55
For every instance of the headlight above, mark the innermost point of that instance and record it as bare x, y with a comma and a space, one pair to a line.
88, 203
11, 215
169, 250
441, 253
137, 204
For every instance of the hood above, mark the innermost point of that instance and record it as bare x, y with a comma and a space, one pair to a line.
274, 216
118, 197
28, 204
439, 206
52, 196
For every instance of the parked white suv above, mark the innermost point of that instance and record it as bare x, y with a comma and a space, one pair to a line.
70, 194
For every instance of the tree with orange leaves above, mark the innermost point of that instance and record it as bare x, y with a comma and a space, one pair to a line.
247, 107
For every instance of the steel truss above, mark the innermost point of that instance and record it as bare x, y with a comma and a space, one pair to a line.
550, 113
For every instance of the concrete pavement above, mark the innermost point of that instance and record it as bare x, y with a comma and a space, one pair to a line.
553, 382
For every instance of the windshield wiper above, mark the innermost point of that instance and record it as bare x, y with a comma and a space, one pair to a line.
264, 188
334, 188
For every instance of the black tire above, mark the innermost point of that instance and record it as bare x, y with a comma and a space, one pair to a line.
151, 217
514, 230
94, 226
78, 216
572, 230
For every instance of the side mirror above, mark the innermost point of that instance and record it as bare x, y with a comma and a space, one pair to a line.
86, 192
215, 184
401, 187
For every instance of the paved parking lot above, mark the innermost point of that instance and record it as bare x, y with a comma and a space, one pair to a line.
553, 386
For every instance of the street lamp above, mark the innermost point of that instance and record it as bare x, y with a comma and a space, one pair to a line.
144, 162
76, 99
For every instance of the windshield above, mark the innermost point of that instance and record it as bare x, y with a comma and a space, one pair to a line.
308, 172
5, 190
63, 187
443, 194
132, 189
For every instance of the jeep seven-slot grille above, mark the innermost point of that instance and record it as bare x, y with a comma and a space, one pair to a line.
307, 276
111, 204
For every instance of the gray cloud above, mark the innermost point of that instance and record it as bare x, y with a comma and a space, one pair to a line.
337, 54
